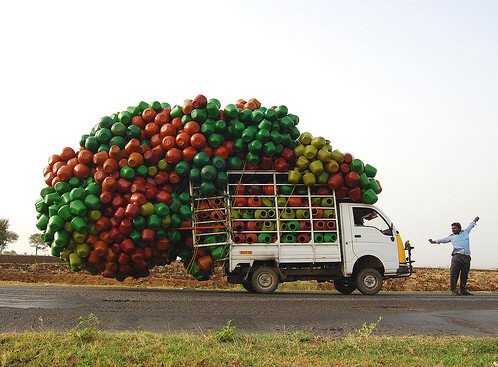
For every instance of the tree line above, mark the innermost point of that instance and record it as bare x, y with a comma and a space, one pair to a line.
7, 237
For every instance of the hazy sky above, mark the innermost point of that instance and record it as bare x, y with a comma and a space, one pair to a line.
409, 86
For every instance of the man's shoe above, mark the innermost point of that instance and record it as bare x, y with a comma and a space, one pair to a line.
466, 293
455, 293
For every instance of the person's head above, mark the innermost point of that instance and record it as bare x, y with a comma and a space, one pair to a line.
456, 228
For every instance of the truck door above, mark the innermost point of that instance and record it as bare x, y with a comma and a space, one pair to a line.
372, 234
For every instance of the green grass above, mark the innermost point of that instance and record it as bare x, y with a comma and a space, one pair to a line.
87, 346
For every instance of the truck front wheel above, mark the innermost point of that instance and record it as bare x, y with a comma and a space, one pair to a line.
344, 287
264, 280
369, 281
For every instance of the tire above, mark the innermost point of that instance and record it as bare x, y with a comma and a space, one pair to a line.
344, 287
369, 281
264, 280
248, 287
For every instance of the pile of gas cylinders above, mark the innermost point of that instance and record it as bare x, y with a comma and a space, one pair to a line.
120, 204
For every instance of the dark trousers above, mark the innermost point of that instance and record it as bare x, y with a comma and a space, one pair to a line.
460, 266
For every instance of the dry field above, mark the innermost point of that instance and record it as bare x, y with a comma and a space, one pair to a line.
49, 270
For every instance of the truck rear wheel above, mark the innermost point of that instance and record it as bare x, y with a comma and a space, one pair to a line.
248, 287
344, 287
264, 280
369, 281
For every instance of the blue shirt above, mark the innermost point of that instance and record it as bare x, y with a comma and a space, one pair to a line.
459, 241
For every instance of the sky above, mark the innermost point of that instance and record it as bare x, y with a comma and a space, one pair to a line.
408, 86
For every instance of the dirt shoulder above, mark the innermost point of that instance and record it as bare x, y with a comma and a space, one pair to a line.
50, 270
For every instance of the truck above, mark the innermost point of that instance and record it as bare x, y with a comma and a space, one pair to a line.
275, 232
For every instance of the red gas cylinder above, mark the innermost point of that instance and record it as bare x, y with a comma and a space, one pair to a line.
204, 263
295, 201
149, 114
127, 246
341, 192
251, 238
288, 155
355, 194
123, 258
238, 226
65, 172
164, 197
100, 157
189, 153
151, 129
137, 255
174, 178
348, 157
124, 185
168, 142
191, 127
138, 121
198, 141
303, 238
167, 130
281, 165
221, 151
161, 178
230, 146
102, 224
177, 123
253, 226
239, 201
200, 101
239, 238
352, 179
132, 211
269, 189
254, 201
182, 140
316, 213
173, 156
161, 118
266, 162
100, 248
67, 153
148, 235
322, 190
331, 225
344, 168
319, 225
82, 171
85, 157
305, 225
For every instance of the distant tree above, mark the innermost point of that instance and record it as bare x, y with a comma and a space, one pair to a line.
6, 236
36, 242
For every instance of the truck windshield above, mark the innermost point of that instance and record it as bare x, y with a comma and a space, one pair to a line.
369, 217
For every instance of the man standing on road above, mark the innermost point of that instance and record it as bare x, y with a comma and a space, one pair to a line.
460, 256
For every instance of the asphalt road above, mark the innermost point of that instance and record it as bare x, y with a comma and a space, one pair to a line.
24, 308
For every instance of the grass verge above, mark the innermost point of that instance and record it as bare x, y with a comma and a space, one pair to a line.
89, 347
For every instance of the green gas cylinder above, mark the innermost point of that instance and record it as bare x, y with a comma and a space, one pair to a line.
309, 179
305, 138
252, 158
357, 166
222, 180
316, 167
207, 188
235, 163
310, 152
369, 197
201, 159
294, 176
370, 171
